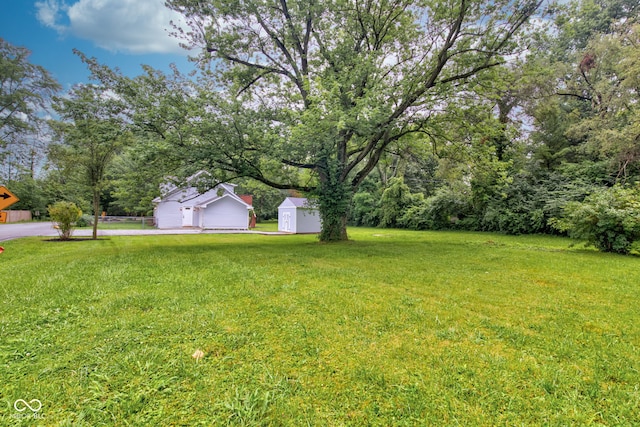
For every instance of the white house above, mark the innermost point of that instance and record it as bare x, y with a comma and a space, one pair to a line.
298, 215
218, 208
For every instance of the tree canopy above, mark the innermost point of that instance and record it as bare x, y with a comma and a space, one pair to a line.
25, 90
310, 95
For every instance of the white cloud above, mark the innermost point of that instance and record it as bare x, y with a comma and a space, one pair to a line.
131, 26
48, 13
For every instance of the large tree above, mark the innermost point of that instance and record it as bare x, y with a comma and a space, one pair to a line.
310, 95
587, 89
25, 90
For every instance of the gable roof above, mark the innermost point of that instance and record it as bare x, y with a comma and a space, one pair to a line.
190, 191
232, 196
189, 196
298, 202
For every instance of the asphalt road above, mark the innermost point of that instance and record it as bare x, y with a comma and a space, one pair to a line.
26, 229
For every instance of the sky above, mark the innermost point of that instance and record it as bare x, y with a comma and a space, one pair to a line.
119, 33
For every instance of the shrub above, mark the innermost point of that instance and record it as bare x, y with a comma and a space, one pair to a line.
65, 215
85, 221
447, 209
395, 201
417, 217
525, 205
365, 209
608, 219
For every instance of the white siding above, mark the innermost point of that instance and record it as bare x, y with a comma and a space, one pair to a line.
168, 215
207, 210
307, 221
293, 219
226, 213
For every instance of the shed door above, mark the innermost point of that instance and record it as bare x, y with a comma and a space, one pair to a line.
286, 221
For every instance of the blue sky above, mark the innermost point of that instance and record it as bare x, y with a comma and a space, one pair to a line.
119, 33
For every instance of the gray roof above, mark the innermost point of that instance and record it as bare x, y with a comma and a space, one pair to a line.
299, 202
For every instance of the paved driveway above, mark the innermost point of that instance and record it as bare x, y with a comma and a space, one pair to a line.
27, 229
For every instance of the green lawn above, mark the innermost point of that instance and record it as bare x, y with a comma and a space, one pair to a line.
393, 328
127, 224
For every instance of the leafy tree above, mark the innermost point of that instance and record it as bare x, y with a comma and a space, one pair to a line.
160, 109
31, 194
609, 82
135, 182
311, 95
65, 215
25, 90
366, 209
265, 199
608, 219
91, 133
588, 110
579, 20
395, 200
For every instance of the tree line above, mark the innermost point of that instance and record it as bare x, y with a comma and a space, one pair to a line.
509, 116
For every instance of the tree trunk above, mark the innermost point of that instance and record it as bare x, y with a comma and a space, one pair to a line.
334, 227
334, 199
96, 213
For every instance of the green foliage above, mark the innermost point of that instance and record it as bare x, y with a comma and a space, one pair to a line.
65, 215
25, 90
447, 209
607, 219
31, 194
334, 198
133, 181
365, 209
91, 131
591, 66
265, 199
308, 96
85, 221
395, 201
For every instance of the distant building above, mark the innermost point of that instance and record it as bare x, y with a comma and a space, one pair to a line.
218, 208
298, 215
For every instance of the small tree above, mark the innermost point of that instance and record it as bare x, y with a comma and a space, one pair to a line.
608, 219
65, 215
93, 131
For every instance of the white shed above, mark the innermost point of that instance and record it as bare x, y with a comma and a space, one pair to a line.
298, 215
218, 208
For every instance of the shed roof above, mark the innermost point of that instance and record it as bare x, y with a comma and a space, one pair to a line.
298, 202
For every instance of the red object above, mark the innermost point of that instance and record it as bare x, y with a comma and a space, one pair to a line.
1, 249
248, 199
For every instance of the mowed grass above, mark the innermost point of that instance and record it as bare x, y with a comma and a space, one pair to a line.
392, 328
